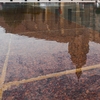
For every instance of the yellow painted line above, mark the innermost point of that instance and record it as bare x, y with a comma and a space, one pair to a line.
1, 93
3, 74
5, 64
16, 83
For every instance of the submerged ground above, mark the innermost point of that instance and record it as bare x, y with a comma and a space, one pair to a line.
49, 51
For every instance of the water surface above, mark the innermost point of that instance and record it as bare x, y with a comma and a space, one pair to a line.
43, 39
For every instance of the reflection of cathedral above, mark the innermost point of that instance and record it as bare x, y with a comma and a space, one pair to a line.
47, 24
78, 48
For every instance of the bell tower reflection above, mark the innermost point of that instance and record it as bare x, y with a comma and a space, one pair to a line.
78, 49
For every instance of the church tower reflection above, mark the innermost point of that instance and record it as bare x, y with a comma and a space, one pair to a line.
78, 49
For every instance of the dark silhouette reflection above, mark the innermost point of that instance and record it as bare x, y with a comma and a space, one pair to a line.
97, 10
43, 15
78, 48
56, 15
69, 15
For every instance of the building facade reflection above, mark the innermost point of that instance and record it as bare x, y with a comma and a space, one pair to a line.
66, 23
14, 15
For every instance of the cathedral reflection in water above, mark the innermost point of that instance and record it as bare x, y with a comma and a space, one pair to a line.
72, 23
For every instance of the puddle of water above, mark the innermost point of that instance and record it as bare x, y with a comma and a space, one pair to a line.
50, 39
